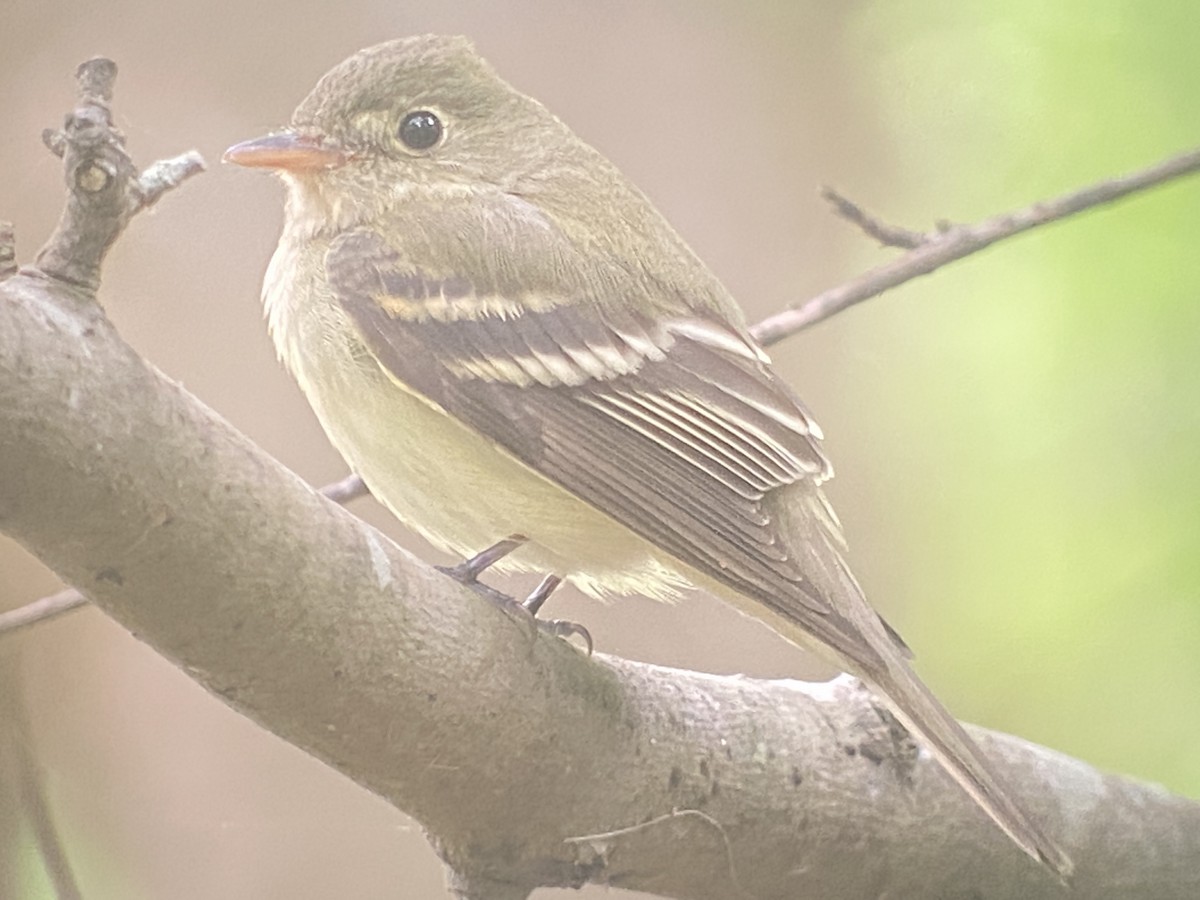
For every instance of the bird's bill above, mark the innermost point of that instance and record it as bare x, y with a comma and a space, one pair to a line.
288, 150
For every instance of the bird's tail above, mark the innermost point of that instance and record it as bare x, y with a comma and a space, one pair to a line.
933, 726
862, 642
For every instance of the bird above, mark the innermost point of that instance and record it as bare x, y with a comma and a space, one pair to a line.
503, 336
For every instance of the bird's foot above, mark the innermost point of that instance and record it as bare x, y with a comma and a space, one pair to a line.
468, 572
557, 627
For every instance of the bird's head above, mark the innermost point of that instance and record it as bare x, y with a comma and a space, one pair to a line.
420, 112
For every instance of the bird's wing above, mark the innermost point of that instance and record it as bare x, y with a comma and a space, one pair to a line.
676, 427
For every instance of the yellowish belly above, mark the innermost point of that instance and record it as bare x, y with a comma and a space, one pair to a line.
462, 493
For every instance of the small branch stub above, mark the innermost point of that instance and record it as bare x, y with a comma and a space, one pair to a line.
165, 175
104, 188
887, 234
98, 174
96, 77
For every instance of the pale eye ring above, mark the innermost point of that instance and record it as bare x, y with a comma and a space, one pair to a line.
420, 130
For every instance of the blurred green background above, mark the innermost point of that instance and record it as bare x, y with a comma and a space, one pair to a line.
1050, 390
1016, 436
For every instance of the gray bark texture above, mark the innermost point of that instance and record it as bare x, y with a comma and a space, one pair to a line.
527, 762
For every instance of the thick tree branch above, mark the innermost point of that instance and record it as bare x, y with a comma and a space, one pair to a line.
46, 608
529, 763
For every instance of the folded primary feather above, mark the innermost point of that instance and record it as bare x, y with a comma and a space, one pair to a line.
676, 428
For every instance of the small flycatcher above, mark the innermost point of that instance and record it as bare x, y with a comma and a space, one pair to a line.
503, 336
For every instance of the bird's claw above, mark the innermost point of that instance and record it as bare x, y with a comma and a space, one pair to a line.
468, 572
561, 628
558, 627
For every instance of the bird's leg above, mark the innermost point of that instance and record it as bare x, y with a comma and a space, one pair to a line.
533, 603
557, 627
469, 570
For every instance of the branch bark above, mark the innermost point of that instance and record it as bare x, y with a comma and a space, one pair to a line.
528, 763
54, 605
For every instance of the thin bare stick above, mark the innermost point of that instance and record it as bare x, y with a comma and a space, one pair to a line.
103, 189
955, 242
887, 234
43, 610
349, 488
167, 174
600, 839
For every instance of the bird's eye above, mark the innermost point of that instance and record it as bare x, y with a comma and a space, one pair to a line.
420, 130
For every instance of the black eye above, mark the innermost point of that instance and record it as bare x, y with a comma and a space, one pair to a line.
420, 130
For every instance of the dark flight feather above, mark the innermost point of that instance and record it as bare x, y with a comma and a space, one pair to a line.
679, 435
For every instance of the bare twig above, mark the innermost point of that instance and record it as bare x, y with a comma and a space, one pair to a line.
349, 488
167, 174
46, 608
602, 843
887, 234
103, 189
97, 171
956, 241
41, 610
